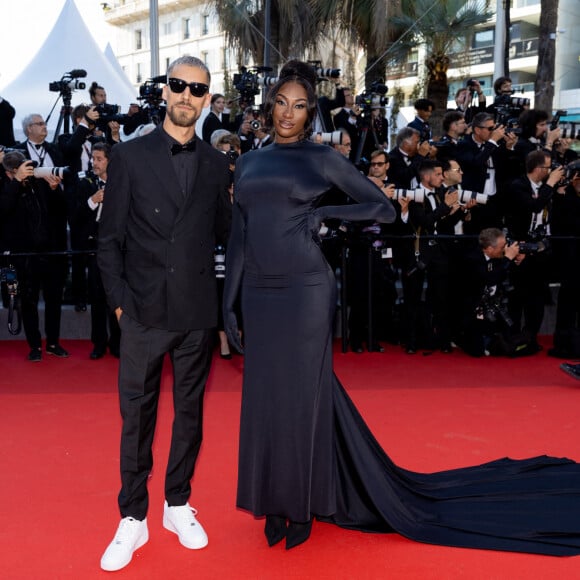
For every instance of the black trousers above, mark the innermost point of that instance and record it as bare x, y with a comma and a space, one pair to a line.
104, 326
142, 352
46, 273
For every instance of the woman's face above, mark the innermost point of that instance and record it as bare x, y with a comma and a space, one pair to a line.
290, 113
219, 105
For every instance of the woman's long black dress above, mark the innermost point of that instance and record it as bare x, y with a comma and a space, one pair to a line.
304, 449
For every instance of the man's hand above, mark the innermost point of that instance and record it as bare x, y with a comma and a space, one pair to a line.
510, 140
98, 196
452, 198
53, 181
556, 175
92, 115
512, 251
424, 148
24, 171
497, 134
118, 313
404, 203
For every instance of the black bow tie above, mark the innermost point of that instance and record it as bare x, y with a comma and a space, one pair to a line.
39, 145
100, 184
178, 148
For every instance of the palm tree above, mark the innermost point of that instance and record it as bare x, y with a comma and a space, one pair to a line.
438, 25
294, 27
300, 25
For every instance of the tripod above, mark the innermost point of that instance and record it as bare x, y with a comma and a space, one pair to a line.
65, 113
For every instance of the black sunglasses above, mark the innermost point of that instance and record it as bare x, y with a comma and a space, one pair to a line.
196, 89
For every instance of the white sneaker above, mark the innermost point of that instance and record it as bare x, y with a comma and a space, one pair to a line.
181, 521
131, 535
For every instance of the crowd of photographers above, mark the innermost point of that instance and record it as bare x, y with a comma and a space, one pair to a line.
488, 214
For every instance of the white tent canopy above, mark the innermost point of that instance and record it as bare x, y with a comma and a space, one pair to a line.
69, 46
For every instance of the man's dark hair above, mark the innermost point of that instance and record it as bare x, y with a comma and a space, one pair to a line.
499, 82
423, 104
489, 237
528, 121
13, 160
481, 118
536, 159
104, 147
450, 118
428, 166
95, 86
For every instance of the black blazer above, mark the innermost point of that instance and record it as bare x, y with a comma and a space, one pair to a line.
7, 113
522, 205
155, 244
212, 123
400, 173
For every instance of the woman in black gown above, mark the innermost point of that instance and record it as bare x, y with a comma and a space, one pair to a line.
304, 449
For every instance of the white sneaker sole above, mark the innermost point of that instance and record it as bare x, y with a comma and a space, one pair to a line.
197, 544
120, 565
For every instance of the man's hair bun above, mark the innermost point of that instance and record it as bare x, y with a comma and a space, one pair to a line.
297, 68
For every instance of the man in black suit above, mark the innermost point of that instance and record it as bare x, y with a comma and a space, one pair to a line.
46, 272
437, 214
348, 118
531, 204
423, 111
480, 294
167, 206
7, 114
486, 157
85, 214
406, 157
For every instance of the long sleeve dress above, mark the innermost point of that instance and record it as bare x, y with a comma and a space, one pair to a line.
304, 449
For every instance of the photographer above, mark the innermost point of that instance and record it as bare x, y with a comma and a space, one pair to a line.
406, 157
423, 111
7, 114
528, 219
485, 157
535, 135
252, 133
481, 296
34, 221
85, 217
454, 128
217, 118
566, 222
110, 130
348, 118
465, 100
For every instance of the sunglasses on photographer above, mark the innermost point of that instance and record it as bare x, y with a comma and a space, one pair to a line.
179, 85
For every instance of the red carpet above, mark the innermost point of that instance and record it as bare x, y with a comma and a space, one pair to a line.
59, 427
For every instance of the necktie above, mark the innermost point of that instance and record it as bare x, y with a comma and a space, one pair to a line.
177, 148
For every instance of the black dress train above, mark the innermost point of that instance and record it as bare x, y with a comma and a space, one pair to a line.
304, 448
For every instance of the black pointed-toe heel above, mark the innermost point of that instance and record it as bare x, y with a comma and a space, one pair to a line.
275, 529
298, 533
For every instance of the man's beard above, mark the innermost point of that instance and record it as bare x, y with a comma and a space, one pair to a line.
183, 118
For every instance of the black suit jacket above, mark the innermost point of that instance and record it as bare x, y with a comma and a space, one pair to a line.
155, 244
522, 205
400, 173
327, 105
212, 123
82, 218
7, 113
341, 120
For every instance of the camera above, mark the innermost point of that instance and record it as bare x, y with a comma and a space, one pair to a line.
248, 83
219, 261
537, 241
471, 84
508, 109
334, 138
108, 113
417, 195
492, 306
331, 73
372, 97
47, 171
466, 195
69, 82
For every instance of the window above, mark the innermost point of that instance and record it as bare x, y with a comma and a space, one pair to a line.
204, 57
138, 39
167, 28
186, 28
204, 24
139, 77
483, 38
225, 58
167, 63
